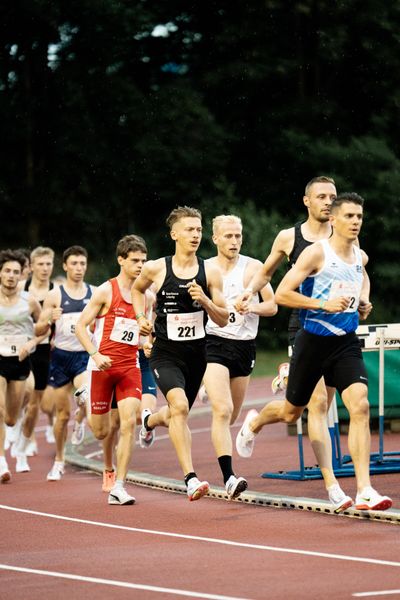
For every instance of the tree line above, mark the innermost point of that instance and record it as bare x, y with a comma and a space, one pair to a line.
113, 112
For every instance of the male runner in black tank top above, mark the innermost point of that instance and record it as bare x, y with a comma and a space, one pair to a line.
187, 291
288, 244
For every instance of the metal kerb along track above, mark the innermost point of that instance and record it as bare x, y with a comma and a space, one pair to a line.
76, 456
381, 338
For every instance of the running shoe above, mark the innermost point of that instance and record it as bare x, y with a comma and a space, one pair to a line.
120, 496
21, 465
108, 481
279, 383
196, 489
338, 498
78, 433
235, 486
81, 395
5, 474
146, 436
56, 471
49, 434
369, 499
245, 437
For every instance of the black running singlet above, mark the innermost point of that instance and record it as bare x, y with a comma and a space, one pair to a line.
178, 316
298, 246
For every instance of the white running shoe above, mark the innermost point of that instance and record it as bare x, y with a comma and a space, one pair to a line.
203, 396
235, 486
245, 437
81, 395
56, 471
338, 498
78, 433
22, 466
146, 437
49, 434
369, 499
5, 474
196, 489
120, 496
279, 383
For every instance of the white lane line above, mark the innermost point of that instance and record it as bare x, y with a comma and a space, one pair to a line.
380, 593
123, 584
373, 561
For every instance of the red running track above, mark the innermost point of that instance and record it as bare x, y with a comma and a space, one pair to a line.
62, 540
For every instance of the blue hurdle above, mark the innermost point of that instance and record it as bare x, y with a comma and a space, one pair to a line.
372, 337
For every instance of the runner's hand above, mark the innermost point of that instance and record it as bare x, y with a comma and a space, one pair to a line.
102, 361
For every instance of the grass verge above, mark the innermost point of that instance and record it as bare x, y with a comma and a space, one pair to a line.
268, 361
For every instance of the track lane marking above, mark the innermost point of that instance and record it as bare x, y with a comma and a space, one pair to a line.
116, 583
374, 561
380, 593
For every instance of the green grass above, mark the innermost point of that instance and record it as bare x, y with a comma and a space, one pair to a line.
267, 362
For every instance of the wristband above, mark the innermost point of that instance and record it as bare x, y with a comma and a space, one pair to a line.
321, 304
141, 314
250, 290
93, 353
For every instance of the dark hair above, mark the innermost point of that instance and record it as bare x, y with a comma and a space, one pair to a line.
25, 252
74, 251
319, 179
12, 256
351, 197
180, 212
130, 243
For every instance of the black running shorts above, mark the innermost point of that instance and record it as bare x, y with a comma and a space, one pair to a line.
12, 369
238, 356
179, 365
337, 358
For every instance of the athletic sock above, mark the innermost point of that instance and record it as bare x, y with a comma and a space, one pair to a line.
225, 463
147, 428
119, 484
189, 476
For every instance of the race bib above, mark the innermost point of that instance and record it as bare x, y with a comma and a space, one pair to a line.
349, 289
125, 331
10, 345
235, 318
68, 324
185, 326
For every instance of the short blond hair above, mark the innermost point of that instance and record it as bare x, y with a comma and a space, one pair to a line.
218, 221
41, 251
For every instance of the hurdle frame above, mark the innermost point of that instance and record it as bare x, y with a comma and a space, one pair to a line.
372, 337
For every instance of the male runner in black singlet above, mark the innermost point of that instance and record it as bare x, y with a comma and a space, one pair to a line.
187, 291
